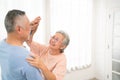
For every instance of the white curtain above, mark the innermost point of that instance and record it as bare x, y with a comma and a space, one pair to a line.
74, 17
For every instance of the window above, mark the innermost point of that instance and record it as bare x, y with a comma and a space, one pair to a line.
74, 17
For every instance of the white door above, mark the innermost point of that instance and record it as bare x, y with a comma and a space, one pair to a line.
114, 45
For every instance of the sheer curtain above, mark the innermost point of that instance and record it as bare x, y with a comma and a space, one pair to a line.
74, 17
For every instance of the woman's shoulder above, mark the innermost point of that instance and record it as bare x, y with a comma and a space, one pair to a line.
38, 44
62, 57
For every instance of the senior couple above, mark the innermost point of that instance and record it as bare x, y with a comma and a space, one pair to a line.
41, 62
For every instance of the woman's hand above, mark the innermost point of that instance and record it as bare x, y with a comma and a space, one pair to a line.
36, 61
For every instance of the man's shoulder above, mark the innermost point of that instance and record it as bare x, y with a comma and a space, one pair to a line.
2, 42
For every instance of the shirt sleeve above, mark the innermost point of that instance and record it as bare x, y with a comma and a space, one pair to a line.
60, 69
37, 48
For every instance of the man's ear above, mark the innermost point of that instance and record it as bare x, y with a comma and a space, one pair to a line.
18, 29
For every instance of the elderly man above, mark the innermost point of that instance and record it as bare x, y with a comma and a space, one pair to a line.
12, 52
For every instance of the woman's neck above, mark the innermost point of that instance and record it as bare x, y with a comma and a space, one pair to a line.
54, 52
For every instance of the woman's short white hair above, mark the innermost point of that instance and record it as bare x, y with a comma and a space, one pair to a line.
66, 39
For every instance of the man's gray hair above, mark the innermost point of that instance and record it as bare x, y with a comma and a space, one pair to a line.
10, 19
66, 39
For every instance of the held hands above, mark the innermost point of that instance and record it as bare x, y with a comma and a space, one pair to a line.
34, 25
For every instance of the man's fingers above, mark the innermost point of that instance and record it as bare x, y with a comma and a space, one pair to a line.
37, 19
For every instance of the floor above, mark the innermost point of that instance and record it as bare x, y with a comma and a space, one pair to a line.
93, 79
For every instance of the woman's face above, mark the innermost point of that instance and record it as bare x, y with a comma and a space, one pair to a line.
56, 41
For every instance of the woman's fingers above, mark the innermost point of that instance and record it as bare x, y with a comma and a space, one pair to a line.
29, 59
34, 56
33, 62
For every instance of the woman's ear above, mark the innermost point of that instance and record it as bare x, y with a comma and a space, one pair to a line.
63, 47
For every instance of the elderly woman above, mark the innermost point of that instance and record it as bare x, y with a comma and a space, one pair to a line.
50, 59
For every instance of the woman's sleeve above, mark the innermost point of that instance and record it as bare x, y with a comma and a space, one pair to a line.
37, 48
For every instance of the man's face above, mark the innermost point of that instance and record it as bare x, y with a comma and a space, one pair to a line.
27, 28
25, 25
